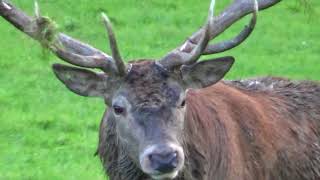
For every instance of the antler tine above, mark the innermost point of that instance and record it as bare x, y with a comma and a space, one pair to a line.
197, 51
113, 45
180, 55
63, 46
36, 9
242, 36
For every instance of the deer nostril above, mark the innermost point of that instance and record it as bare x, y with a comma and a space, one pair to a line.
165, 162
164, 158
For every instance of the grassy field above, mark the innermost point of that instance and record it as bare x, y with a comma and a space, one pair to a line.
47, 132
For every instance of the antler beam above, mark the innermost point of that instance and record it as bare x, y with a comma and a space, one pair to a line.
65, 47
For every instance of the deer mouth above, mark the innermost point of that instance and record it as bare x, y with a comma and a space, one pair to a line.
170, 175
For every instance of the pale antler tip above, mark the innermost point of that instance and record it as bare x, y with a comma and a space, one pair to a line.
5, 5
105, 18
36, 9
211, 8
107, 23
256, 6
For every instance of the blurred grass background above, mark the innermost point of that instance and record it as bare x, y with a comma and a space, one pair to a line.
47, 132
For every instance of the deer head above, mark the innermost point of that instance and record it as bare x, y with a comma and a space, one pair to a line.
146, 97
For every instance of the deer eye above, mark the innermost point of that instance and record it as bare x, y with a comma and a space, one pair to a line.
183, 103
118, 110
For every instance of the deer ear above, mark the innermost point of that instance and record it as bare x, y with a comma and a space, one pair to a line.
205, 73
84, 82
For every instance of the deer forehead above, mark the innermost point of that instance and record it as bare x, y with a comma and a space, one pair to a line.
149, 85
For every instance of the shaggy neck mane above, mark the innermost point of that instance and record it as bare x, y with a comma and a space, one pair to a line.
260, 128
202, 126
220, 125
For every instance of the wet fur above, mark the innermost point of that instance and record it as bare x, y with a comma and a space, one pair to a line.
265, 128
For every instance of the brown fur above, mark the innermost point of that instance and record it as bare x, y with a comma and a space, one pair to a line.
266, 130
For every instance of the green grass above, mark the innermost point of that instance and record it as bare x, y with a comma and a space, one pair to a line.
47, 132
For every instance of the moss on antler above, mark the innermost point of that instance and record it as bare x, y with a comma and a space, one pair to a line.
46, 31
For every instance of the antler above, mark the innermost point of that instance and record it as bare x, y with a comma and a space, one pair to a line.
65, 47
215, 25
84, 55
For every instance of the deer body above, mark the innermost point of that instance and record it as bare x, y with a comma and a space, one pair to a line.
266, 129
171, 118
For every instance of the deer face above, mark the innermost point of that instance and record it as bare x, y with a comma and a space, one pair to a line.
148, 105
149, 109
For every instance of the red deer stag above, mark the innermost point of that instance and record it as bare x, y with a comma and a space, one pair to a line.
173, 118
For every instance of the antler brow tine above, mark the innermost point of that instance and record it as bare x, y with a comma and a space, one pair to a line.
178, 57
202, 44
113, 45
